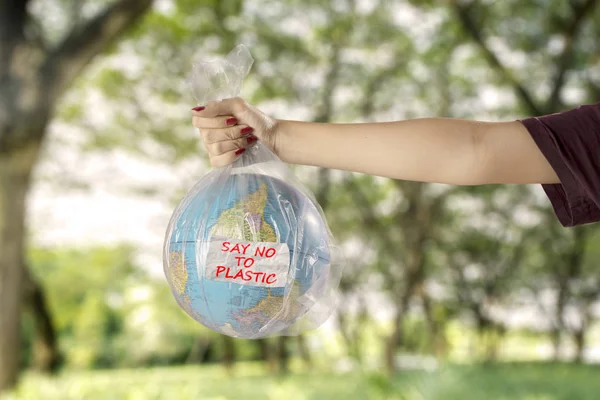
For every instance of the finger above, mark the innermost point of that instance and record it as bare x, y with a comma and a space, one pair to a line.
213, 109
219, 135
215, 122
218, 148
226, 158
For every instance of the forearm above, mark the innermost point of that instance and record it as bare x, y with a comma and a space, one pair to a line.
424, 150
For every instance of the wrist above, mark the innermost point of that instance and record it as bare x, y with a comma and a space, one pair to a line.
280, 142
301, 143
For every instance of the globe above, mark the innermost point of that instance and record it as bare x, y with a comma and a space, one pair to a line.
247, 255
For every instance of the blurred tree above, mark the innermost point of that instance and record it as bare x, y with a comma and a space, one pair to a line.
483, 264
566, 264
405, 233
565, 58
33, 75
585, 292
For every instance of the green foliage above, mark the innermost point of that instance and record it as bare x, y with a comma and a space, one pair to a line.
90, 332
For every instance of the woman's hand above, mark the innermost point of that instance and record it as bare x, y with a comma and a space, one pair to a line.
230, 126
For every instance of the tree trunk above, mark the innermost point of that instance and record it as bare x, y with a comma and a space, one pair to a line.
283, 354
436, 328
199, 351
414, 281
14, 182
555, 337
351, 337
393, 342
579, 339
303, 350
396, 339
483, 333
228, 352
46, 355
343, 324
266, 354
357, 333
494, 335
558, 315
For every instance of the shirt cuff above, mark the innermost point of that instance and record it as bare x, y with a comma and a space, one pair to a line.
571, 204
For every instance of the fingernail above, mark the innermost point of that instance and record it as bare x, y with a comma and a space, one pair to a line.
199, 108
247, 130
252, 139
231, 121
240, 151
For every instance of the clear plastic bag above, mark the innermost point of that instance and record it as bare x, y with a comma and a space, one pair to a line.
248, 252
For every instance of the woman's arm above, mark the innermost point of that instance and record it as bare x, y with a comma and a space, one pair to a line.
437, 150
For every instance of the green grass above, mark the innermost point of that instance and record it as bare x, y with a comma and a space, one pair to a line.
249, 382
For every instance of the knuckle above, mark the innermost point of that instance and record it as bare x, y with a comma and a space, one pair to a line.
225, 146
237, 104
232, 133
216, 148
207, 135
212, 109
211, 104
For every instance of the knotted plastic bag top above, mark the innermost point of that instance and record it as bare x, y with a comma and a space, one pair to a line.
220, 79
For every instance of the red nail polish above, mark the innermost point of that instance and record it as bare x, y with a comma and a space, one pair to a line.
247, 130
199, 108
240, 151
231, 121
252, 139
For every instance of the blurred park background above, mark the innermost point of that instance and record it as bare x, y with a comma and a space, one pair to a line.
448, 292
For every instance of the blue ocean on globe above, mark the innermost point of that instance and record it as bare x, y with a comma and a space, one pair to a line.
234, 214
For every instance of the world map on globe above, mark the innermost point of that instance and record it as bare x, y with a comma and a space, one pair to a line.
246, 258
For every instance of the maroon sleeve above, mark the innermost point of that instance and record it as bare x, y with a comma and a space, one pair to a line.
570, 141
